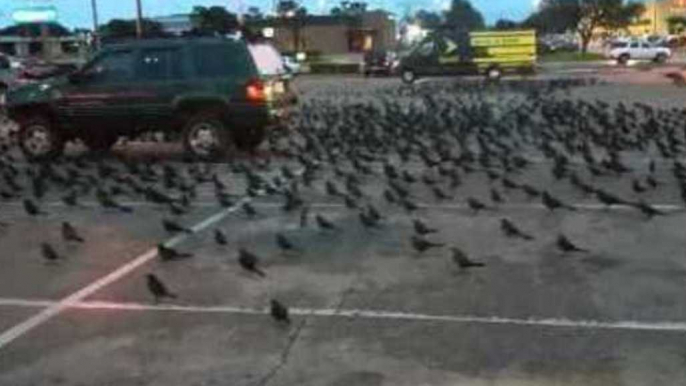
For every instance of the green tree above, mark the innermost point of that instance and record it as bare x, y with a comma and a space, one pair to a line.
676, 24
349, 8
584, 16
118, 29
214, 20
287, 8
505, 24
462, 15
427, 19
253, 14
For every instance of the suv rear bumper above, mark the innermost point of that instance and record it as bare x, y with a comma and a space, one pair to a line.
263, 116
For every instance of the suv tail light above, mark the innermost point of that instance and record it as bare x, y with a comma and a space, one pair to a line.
256, 91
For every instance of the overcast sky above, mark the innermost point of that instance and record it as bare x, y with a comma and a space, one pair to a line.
78, 12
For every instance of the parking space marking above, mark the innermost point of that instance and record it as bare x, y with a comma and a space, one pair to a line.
56, 308
660, 326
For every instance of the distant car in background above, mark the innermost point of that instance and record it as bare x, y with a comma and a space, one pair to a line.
378, 63
622, 52
291, 65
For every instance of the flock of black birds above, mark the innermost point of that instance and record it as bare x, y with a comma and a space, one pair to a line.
429, 141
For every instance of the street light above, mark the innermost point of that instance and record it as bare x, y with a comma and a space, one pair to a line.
139, 19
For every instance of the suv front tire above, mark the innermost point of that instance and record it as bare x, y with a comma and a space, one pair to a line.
39, 139
206, 136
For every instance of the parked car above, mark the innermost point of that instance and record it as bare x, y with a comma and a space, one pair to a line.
291, 65
378, 63
622, 52
6, 72
216, 92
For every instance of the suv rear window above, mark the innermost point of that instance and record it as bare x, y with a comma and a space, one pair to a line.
220, 60
267, 59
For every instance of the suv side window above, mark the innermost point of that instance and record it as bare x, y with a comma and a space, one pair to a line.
426, 49
220, 60
115, 66
634, 45
160, 64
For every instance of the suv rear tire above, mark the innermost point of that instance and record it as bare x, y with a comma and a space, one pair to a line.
660, 58
39, 139
206, 136
623, 59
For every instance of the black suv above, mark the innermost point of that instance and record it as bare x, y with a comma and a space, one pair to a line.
216, 92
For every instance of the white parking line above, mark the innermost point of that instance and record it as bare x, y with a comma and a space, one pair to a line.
54, 309
663, 326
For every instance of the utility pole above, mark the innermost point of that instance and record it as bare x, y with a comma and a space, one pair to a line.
139, 19
94, 7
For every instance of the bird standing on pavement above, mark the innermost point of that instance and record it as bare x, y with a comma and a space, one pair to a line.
421, 245
511, 230
169, 254
462, 260
279, 312
49, 253
565, 245
158, 289
69, 233
249, 261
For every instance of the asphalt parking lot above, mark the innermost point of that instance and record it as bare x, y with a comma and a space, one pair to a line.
366, 308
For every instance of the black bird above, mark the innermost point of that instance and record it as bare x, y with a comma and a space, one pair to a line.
249, 210
249, 261
462, 260
609, 199
173, 227
652, 182
108, 203
565, 245
511, 230
279, 312
169, 254
324, 223
284, 243
422, 229
637, 187
553, 203
475, 204
49, 253
31, 208
440, 194
367, 221
304, 216
421, 244
158, 289
647, 209
388, 195
496, 197
530, 191
71, 199
69, 233
220, 237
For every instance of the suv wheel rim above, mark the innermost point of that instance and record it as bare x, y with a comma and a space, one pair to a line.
38, 140
203, 138
408, 76
494, 73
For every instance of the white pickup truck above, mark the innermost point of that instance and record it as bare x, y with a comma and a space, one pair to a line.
622, 52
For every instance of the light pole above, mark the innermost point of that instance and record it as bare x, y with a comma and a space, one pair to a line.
94, 7
139, 19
